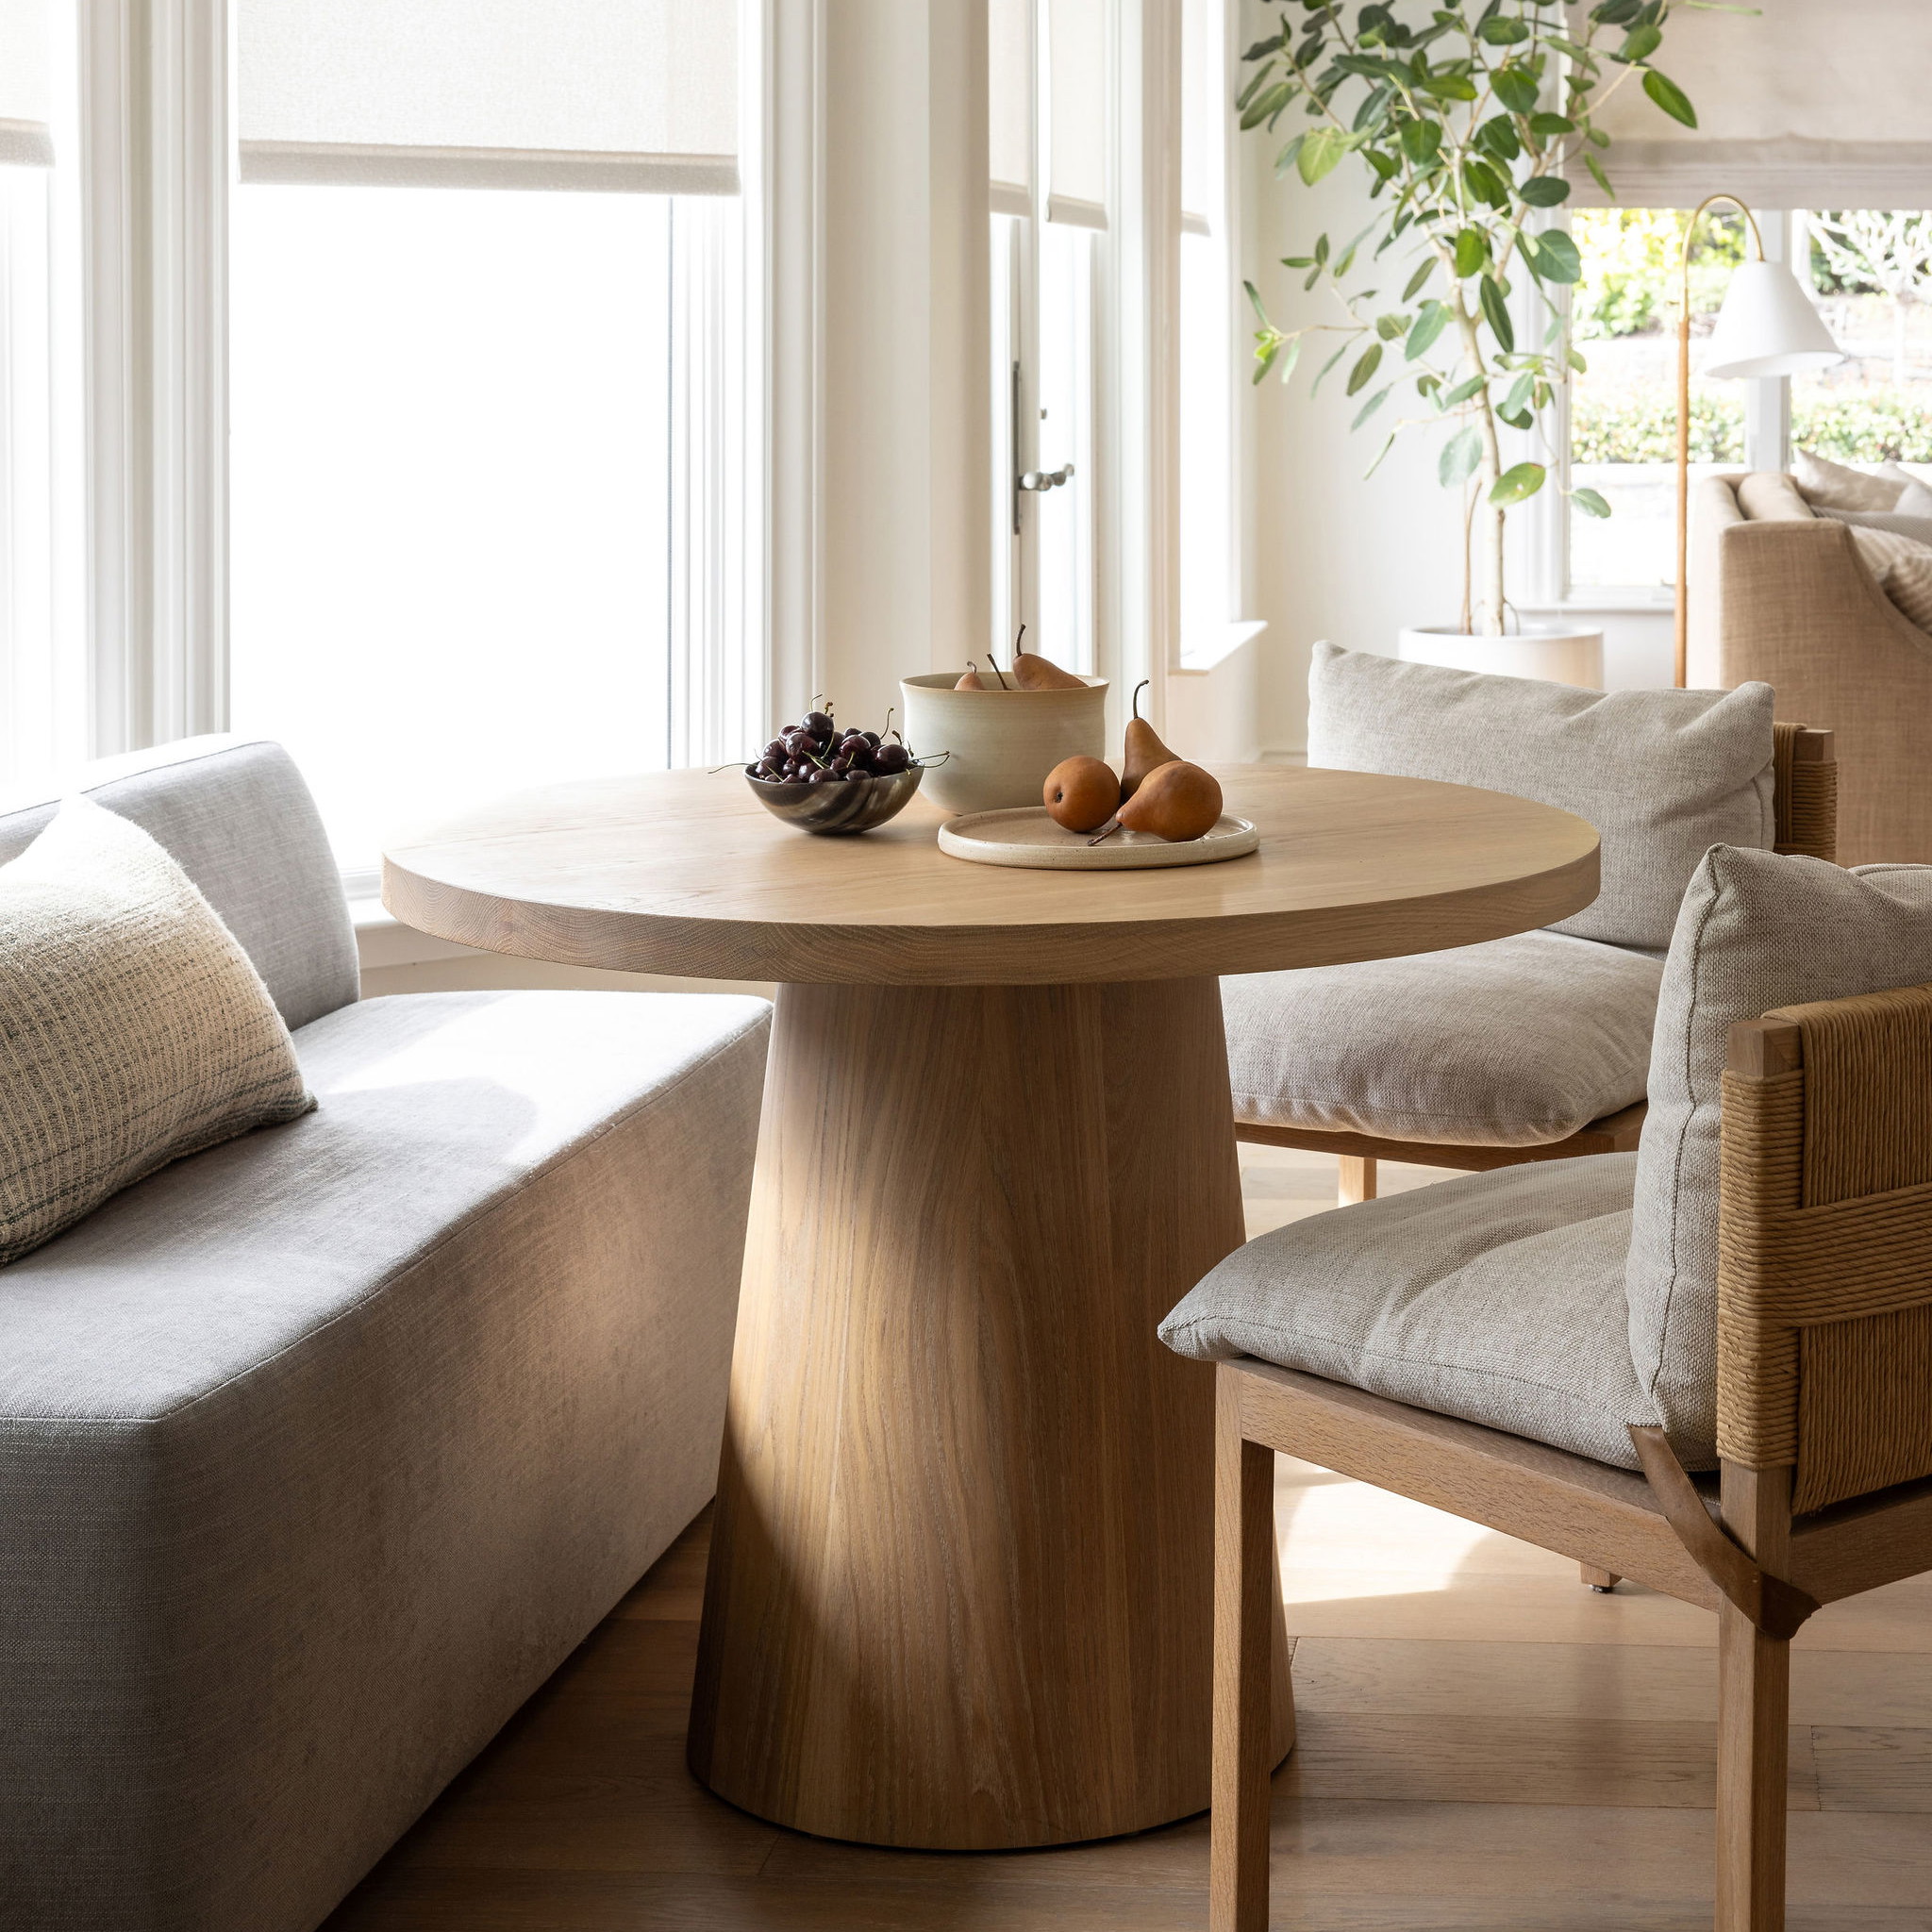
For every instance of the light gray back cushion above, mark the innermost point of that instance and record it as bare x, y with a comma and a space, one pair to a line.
1756, 931
1896, 523
1663, 776
234, 814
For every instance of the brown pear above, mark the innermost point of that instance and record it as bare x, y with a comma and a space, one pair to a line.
1145, 750
970, 678
1080, 793
1031, 671
1176, 801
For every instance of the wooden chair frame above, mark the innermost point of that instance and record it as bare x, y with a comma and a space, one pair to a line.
1805, 795
1825, 1248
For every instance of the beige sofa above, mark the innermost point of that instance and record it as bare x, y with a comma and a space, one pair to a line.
1779, 593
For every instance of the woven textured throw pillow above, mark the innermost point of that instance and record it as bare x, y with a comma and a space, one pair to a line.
133, 1028
1903, 568
1827, 485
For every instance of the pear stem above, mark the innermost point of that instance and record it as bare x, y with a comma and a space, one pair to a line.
1137, 689
1107, 831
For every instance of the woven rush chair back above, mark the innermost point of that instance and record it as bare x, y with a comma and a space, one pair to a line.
1805, 791
1824, 1265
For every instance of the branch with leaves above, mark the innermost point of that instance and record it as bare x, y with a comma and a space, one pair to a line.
1473, 116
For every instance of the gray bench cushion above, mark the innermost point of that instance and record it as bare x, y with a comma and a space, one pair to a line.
1497, 1297
235, 816
1515, 1043
1756, 931
323, 1448
1661, 774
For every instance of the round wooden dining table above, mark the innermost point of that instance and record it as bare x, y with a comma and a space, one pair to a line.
961, 1586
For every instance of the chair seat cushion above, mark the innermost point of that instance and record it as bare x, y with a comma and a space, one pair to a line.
1497, 1297
1515, 1043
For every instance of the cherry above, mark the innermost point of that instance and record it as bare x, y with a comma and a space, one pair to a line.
892, 758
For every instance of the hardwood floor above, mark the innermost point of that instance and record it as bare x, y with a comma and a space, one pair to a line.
1485, 1745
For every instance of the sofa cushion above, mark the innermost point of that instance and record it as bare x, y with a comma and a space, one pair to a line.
1663, 775
133, 1030
1514, 1043
1756, 931
323, 1449
1768, 496
234, 815
1902, 567
1827, 485
1497, 1297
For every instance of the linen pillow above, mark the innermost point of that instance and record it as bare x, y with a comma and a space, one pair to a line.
1918, 528
1758, 930
1835, 486
1663, 776
1914, 500
1903, 568
133, 1028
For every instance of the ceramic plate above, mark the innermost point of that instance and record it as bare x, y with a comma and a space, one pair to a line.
1028, 837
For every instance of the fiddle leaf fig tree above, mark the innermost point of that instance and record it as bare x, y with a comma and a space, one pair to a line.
1472, 116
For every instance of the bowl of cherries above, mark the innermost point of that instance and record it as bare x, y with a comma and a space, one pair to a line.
821, 777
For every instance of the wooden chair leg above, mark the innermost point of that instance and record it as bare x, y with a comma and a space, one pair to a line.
1357, 1178
1246, 1589
1754, 1675
1603, 1580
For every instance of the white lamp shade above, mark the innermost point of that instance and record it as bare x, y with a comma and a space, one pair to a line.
1767, 326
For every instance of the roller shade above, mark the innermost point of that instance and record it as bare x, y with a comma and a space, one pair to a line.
636, 96
1802, 105
1078, 73
1010, 105
25, 84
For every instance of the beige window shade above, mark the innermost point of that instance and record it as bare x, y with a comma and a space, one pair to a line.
1010, 105
25, 84
1804, 104
636, 96
1076, 107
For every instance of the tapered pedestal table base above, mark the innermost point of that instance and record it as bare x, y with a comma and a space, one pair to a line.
960, 1593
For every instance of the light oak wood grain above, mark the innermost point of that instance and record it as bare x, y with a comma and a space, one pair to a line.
960, 1589
685, 872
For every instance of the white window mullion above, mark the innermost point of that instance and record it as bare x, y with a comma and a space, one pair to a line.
154, 121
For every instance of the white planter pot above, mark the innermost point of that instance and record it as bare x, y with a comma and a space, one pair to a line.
1555, 655
1003, 742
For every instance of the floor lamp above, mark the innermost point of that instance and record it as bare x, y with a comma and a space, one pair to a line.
1766, 326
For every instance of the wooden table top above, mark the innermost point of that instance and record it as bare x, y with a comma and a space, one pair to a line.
685, 872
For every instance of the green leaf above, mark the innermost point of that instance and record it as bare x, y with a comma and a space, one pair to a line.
1320, 150
1557, 259
1639, 45
1464, 390
1496, 312
1497, 135
1269, 101
1669, 97
1516, 89
1419, 279
1472, 251
1321, 251
1515, 484
1364, 372
1329, 365
1430, 320
1543, 190
1597, 174
1460, 454
1576, 361
1550, 125
1420, 141
1255, 301
1391, 325
1590, 502
1254, 84
1449, 87
1519, 394
1484, 183
1387, 446
1285, 159
1617, 13
1519, 419
1499, 31
1369, 408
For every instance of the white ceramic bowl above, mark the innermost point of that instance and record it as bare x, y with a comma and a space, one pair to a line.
1003, 742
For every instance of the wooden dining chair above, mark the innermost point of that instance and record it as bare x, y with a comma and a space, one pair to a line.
1823, 1403
1307, 1049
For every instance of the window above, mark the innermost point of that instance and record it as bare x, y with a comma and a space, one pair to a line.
1048, 70
43, 693
1871, 269
487, 416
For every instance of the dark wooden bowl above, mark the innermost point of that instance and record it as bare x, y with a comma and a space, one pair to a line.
840, 806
